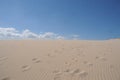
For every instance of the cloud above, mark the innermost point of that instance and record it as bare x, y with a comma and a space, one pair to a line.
60, 37
75, 37
9, 33
48, 35
29, 35
12, 33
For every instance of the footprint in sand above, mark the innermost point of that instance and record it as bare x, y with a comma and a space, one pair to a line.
36, 60
74, 72
75, 59
57, 78
85, 62
57, 72
26, 68
50, 55
6, 78
111, 66
82, 74
67, 70
68, 64
81, 54
63, 48
56, 51
97, 57
3, 58
57, 75
101, 58
88, 63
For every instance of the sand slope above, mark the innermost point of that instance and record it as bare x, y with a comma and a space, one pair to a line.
59, 60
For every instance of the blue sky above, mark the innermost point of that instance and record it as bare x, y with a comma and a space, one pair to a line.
90, 19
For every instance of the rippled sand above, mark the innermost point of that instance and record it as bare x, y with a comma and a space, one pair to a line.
59, 60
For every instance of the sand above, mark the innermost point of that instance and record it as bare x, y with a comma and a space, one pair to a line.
60, 60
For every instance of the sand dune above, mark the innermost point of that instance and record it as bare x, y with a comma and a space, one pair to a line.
59, 60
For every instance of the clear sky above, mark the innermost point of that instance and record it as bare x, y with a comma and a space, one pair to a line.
90, 19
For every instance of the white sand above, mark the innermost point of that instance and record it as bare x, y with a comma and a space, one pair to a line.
59, 60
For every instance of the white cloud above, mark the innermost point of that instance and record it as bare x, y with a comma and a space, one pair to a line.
48, 35
60, 37
75, 37
8, 33
12, 33
28, 34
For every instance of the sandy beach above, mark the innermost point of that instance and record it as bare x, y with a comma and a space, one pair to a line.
60, 59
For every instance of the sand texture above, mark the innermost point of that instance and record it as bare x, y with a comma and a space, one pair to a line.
59, 60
